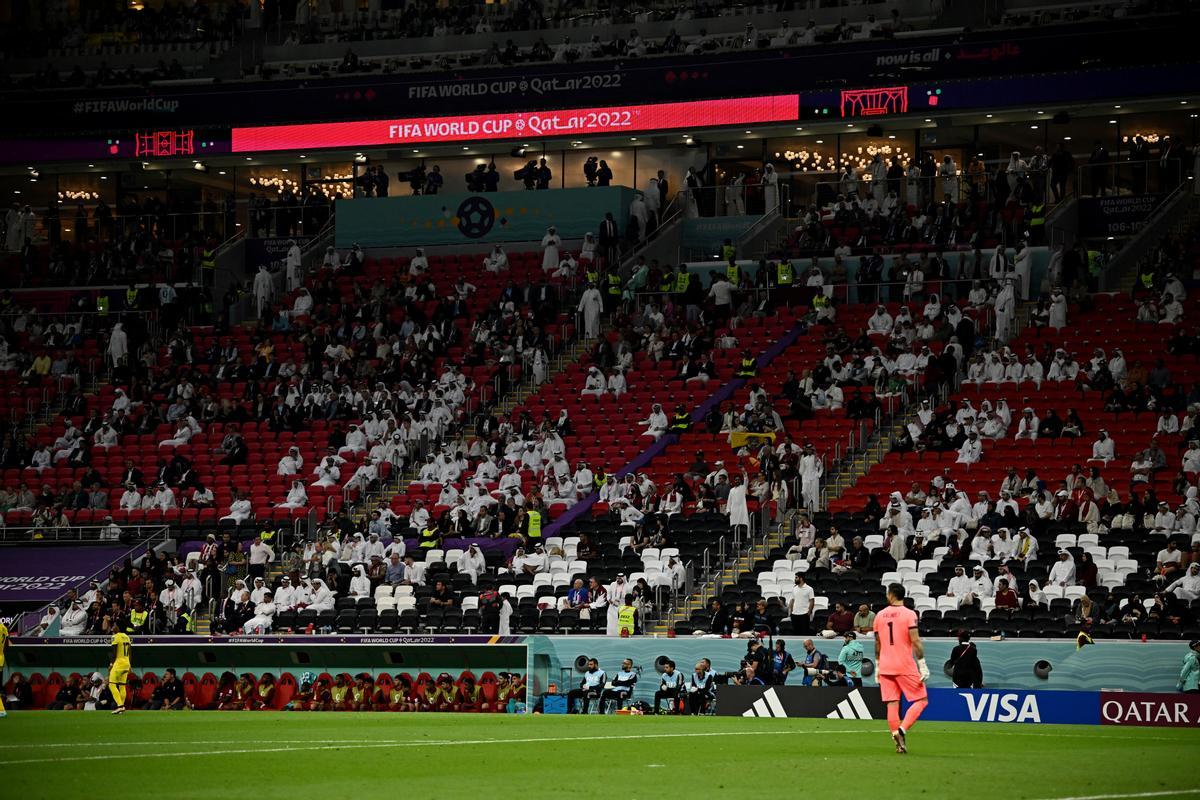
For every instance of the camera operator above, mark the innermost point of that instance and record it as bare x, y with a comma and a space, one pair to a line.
757, 656
527, 175
477, 179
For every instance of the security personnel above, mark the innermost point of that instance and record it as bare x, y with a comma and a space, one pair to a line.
733, 273
784, 274
667, 283
728, 252
748, 367
533, 527
1037, 223
1145, 277
102, 305
208, 264
429, 538
132, 298
591, 275
682, 281
614, 289
681, 421
138, 617
627, 618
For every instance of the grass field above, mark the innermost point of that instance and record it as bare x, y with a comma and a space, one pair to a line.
436, 756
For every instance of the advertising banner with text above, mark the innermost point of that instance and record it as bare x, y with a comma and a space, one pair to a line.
671, 78
42, 574
1001, 705
1150, 710
519, 125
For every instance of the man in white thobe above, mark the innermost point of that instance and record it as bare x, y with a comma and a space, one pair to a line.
591, 304
811, 469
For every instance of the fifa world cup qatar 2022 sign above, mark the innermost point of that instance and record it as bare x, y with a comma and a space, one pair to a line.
520, 125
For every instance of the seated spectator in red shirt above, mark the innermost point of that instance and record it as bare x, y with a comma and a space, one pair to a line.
1005, 596
840, 620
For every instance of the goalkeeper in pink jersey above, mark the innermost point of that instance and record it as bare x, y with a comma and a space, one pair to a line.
900, 664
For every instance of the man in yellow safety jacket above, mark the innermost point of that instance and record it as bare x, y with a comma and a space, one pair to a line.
748, 367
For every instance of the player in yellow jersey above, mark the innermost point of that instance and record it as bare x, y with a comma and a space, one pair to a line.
118, 672
3, 646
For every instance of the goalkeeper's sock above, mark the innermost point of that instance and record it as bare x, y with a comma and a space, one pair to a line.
893, 714
914, 711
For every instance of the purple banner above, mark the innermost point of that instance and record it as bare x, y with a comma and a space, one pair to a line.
43, 574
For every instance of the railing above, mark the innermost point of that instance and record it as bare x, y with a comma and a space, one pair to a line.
1147, 239
161, 534
748, 199
46, 534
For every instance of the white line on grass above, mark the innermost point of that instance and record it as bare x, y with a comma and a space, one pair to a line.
197, 741
1124, 796
427, 743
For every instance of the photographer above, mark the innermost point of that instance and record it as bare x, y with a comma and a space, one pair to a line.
782, 663
477, 179
527, 175
814, 663
757, 657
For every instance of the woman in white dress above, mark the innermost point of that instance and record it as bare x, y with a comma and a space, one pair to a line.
550, 243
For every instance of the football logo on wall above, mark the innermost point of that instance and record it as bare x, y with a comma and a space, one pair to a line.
476, 216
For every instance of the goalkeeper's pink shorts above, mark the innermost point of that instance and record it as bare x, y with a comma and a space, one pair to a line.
891, 687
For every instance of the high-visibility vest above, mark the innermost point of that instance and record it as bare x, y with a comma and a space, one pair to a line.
1037, 214
734, 274
428, 538
131, 298
785, 276
727, 253
208, 259
667, 284
1147, 279
592, 276
681, 422
820, 301
626, 620
1093, 257
535, 524
102, 305
748, 369
682, 281
136, 620
614, 284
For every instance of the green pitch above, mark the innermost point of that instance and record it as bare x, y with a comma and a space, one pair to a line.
438, 756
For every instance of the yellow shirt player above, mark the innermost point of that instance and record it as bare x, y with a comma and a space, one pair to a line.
3, 646
118, 673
